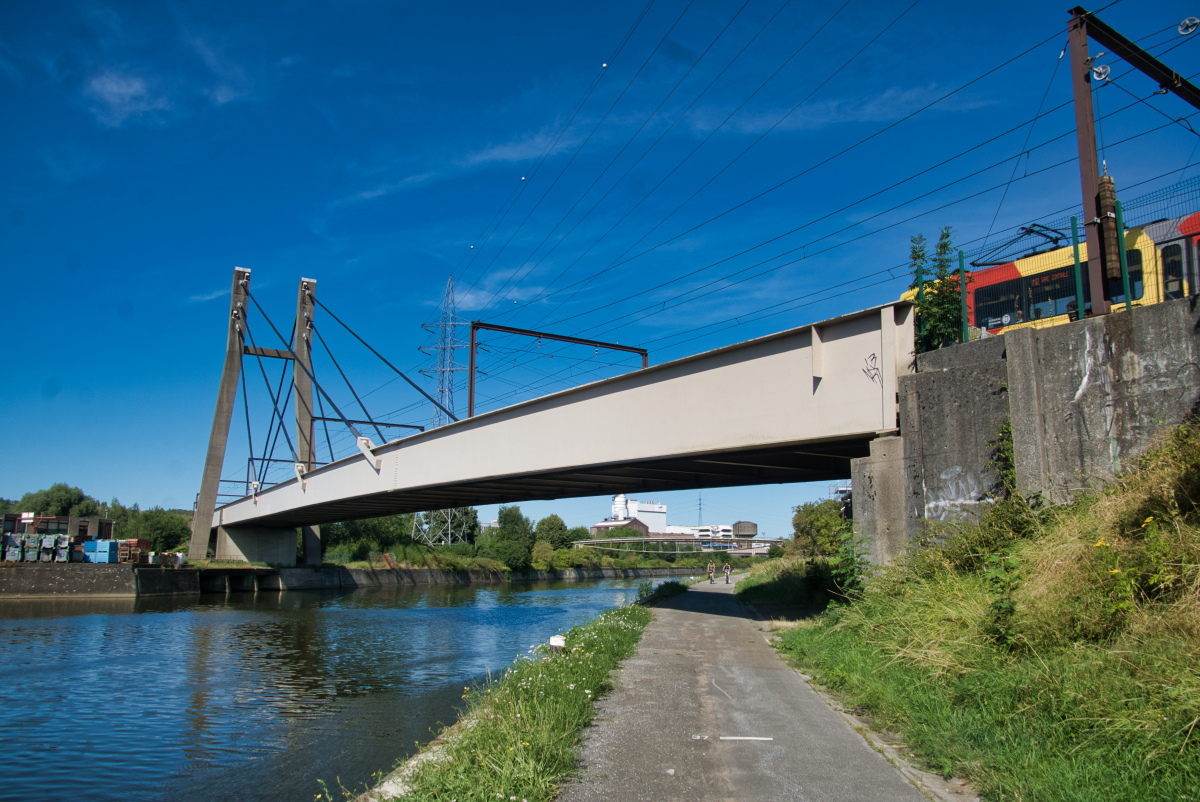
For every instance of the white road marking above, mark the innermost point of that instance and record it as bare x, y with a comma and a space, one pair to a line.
744, 738
722, 690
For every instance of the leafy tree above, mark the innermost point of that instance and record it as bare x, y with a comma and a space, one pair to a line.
775, 551
166, 530
515, 527
552, 530
817, 528
578, 533
511, 553
7, 505
940, 313
59, 499
380, 534
543, 555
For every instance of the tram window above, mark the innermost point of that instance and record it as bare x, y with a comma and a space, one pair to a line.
1050, 293
1116, 290
1000, 300
1172, 258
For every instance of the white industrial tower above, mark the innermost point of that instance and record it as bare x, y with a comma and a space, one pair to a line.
441, 527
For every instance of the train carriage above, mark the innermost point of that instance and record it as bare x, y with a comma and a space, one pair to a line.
1039, 290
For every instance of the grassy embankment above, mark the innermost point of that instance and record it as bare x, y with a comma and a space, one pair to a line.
1044, 654
521, 733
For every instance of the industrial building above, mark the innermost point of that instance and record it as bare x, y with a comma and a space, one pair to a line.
650, 519
28, 523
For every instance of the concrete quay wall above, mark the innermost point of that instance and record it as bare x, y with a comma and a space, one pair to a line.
1084, 400
335, 578
83, 580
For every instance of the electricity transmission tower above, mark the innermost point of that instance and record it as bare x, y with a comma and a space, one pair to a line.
441, 527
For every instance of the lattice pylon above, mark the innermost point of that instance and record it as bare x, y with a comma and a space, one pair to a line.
442, 526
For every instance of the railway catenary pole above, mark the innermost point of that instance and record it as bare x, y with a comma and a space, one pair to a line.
1099, 192
301, 370
226, 396
1089, 162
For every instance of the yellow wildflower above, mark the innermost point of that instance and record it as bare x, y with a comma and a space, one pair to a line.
1115, 571
1099, 543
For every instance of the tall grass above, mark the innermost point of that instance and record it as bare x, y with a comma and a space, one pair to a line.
1048, 654
522, 732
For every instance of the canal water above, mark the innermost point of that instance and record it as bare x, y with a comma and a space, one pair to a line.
254, 697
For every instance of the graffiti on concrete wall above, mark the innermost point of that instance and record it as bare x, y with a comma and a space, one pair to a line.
871, 368
956, 493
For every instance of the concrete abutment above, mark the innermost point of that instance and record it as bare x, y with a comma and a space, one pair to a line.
1083, 399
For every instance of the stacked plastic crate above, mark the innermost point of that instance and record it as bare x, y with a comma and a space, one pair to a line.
100, 551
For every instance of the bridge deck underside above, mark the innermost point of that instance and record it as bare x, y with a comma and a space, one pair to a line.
809, 462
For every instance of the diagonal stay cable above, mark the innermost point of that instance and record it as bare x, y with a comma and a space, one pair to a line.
303, 367
274, 399
399, 372
325, 424
361, 405
272, 433
246, 406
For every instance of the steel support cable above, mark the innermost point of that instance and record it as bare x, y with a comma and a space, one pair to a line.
691, 153
397, 370
578, 107
342, 373
1176, 120
806, 245
638, 161
762, 136
325, 424
271, 433
245, 404
270, 456
274, 400
302, 366
902, 266
618, 155
579, 150
835, 246
1028, 136
807, 170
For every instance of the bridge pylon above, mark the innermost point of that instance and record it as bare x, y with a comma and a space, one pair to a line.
226, 396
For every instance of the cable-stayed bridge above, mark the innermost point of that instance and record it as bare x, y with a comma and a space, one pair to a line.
793, 406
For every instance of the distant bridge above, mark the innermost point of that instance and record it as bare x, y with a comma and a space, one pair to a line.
684, 544
795, 406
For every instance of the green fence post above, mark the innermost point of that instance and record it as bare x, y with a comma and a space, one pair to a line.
1078, 272
1124, 260
962, 288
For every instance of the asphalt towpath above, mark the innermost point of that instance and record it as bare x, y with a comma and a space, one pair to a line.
706, 710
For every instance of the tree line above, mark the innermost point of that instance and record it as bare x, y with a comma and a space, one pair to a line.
167, 530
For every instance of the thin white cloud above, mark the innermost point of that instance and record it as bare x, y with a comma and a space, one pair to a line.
121, 96
232, 82
211, 296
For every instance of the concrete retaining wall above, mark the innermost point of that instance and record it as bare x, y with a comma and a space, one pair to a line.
330, 578
1084, 399
67, 580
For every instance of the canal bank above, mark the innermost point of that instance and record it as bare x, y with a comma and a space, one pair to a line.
82, 580
255, 697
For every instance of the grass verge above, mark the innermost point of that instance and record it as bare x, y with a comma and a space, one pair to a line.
524, 728
1041, 654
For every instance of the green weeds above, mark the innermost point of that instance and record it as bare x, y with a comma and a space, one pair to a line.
1042, 653
520, 734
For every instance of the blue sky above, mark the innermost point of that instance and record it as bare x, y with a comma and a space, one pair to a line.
149, 148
